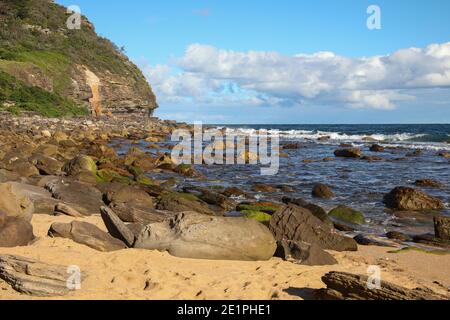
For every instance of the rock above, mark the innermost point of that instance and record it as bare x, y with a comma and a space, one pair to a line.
80, 164
304, 253
290, 146
415, 153
372, 158
376, 148
265, 207
346, 286
14, 203
299, 224
234, 192
46, 134
62, 208
32, 277
257, 216
126, 194
86, 234
42, 199
403, 198
14, 232
444, 155
47, 165
346, 214
84, 198
322, 191
179, 202
186, 170
442, 228
263, 188
372, 240
431, 240
324, 138
213, 198
116, 227
428, 183
197, 236
395, 235
348, 153
316, 210
23, 168
135, 213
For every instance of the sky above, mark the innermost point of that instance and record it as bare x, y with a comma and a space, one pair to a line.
286, 61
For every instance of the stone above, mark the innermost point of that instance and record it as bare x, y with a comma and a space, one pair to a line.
428, 183
372, 240
62, 208
14, 203
395, 235
86, 234
47, 165
403, 198
322, 191
257, 216
347, 214
346, 286
304, 253
116, 227
197, 236
213, 198
348, 153
264, 188
41, 198
261, 206
33, 277
376, 148
431, 240
316, 210
126, 194
234, 192
14, 232
136, 213
79, 164
299, 224
23, 168
442, 228
179, 202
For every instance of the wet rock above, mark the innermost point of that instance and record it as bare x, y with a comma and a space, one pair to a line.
346, 286
322, 191
372, 158
348, 153
197, 236
442, 228
431, 240
234, 192
14, 202
415, 153
14, 232
212, 198
32, 277
304, 253
261, 206
290, 146
372, 240
403, 198
186, 170
181, 202
316, 210
395, 235
444, 155
428, 183
299, 224
86, 234
257, 216
264, 188
347, 214
376, 148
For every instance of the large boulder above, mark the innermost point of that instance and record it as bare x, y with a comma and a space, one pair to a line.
316, 210
86, 234
80, 164
442, 228
129, 194
198, 236
14, 203
304, 253
299, 224
41, 198
348, 153
403, 198
14, 232
347, 214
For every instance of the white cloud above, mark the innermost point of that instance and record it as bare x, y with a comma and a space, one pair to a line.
207, 75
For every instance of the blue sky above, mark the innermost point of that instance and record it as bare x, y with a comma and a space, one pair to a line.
258, 61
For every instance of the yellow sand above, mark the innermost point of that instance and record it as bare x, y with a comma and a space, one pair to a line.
125, 274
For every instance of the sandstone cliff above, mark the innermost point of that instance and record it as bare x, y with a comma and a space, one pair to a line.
78, 67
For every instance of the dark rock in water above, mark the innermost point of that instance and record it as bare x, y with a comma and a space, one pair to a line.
346, 286
342, 226
444, 155
371, 240
324, 138
299, 224
322, 191
347, 214
264, 188
285, 188
348, 153
316, 210
32, 277
290, 146
213, 198
415, 153
428, 183
403, 198
116, 227
84, 198
198, 236
376, 148
431, 240
234, 192
86, 234
14, 232
346, 145
179, 202
372, 158
304, 253
395, 235
442, 228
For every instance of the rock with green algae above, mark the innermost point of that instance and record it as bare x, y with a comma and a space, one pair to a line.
257, 215
80, 164
265, 207
347, 214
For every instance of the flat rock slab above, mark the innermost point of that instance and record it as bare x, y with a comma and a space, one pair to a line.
33, 277
299, 224
41, 198
346, 286
87, 234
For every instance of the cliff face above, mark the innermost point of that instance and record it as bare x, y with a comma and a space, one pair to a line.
39, 50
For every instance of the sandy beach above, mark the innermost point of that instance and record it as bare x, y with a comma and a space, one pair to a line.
142, 275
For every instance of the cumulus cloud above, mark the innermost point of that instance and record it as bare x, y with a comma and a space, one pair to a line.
210, 76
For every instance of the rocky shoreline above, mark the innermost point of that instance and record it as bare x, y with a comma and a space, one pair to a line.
56, 169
